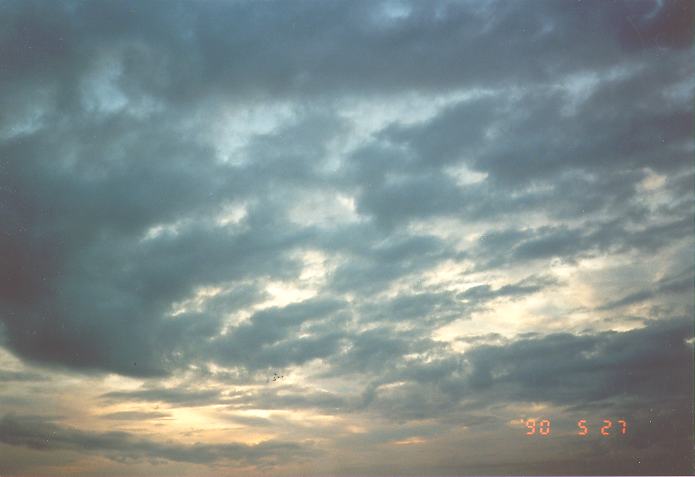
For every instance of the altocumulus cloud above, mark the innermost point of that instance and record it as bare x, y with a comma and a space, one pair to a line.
431, 218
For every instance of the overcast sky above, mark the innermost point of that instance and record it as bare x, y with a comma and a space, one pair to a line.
345, 238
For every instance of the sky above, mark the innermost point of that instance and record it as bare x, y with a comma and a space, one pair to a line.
346, 237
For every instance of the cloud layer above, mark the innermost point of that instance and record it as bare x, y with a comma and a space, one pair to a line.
433, 219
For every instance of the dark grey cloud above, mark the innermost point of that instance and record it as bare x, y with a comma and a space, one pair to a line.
595, 238
421, 307
291, 398
38, 433
377, 260
134, 415
268, 338
377, 351
21, 376
648, 367
460, 150
74, 224
182, 53
621, 371
524, 287
595, 367
678, 284
171, 396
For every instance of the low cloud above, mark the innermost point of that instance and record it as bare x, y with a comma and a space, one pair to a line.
37, 433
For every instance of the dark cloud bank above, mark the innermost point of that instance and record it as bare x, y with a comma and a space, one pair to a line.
112, 184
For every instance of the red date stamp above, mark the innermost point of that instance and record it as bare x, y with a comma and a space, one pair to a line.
606, 427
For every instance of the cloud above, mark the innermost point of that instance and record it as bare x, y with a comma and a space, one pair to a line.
134, 415
122, 221
20, 376
268, 337
567, 369
427, 214
172, 396
678, 284
524, 287
36, 433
